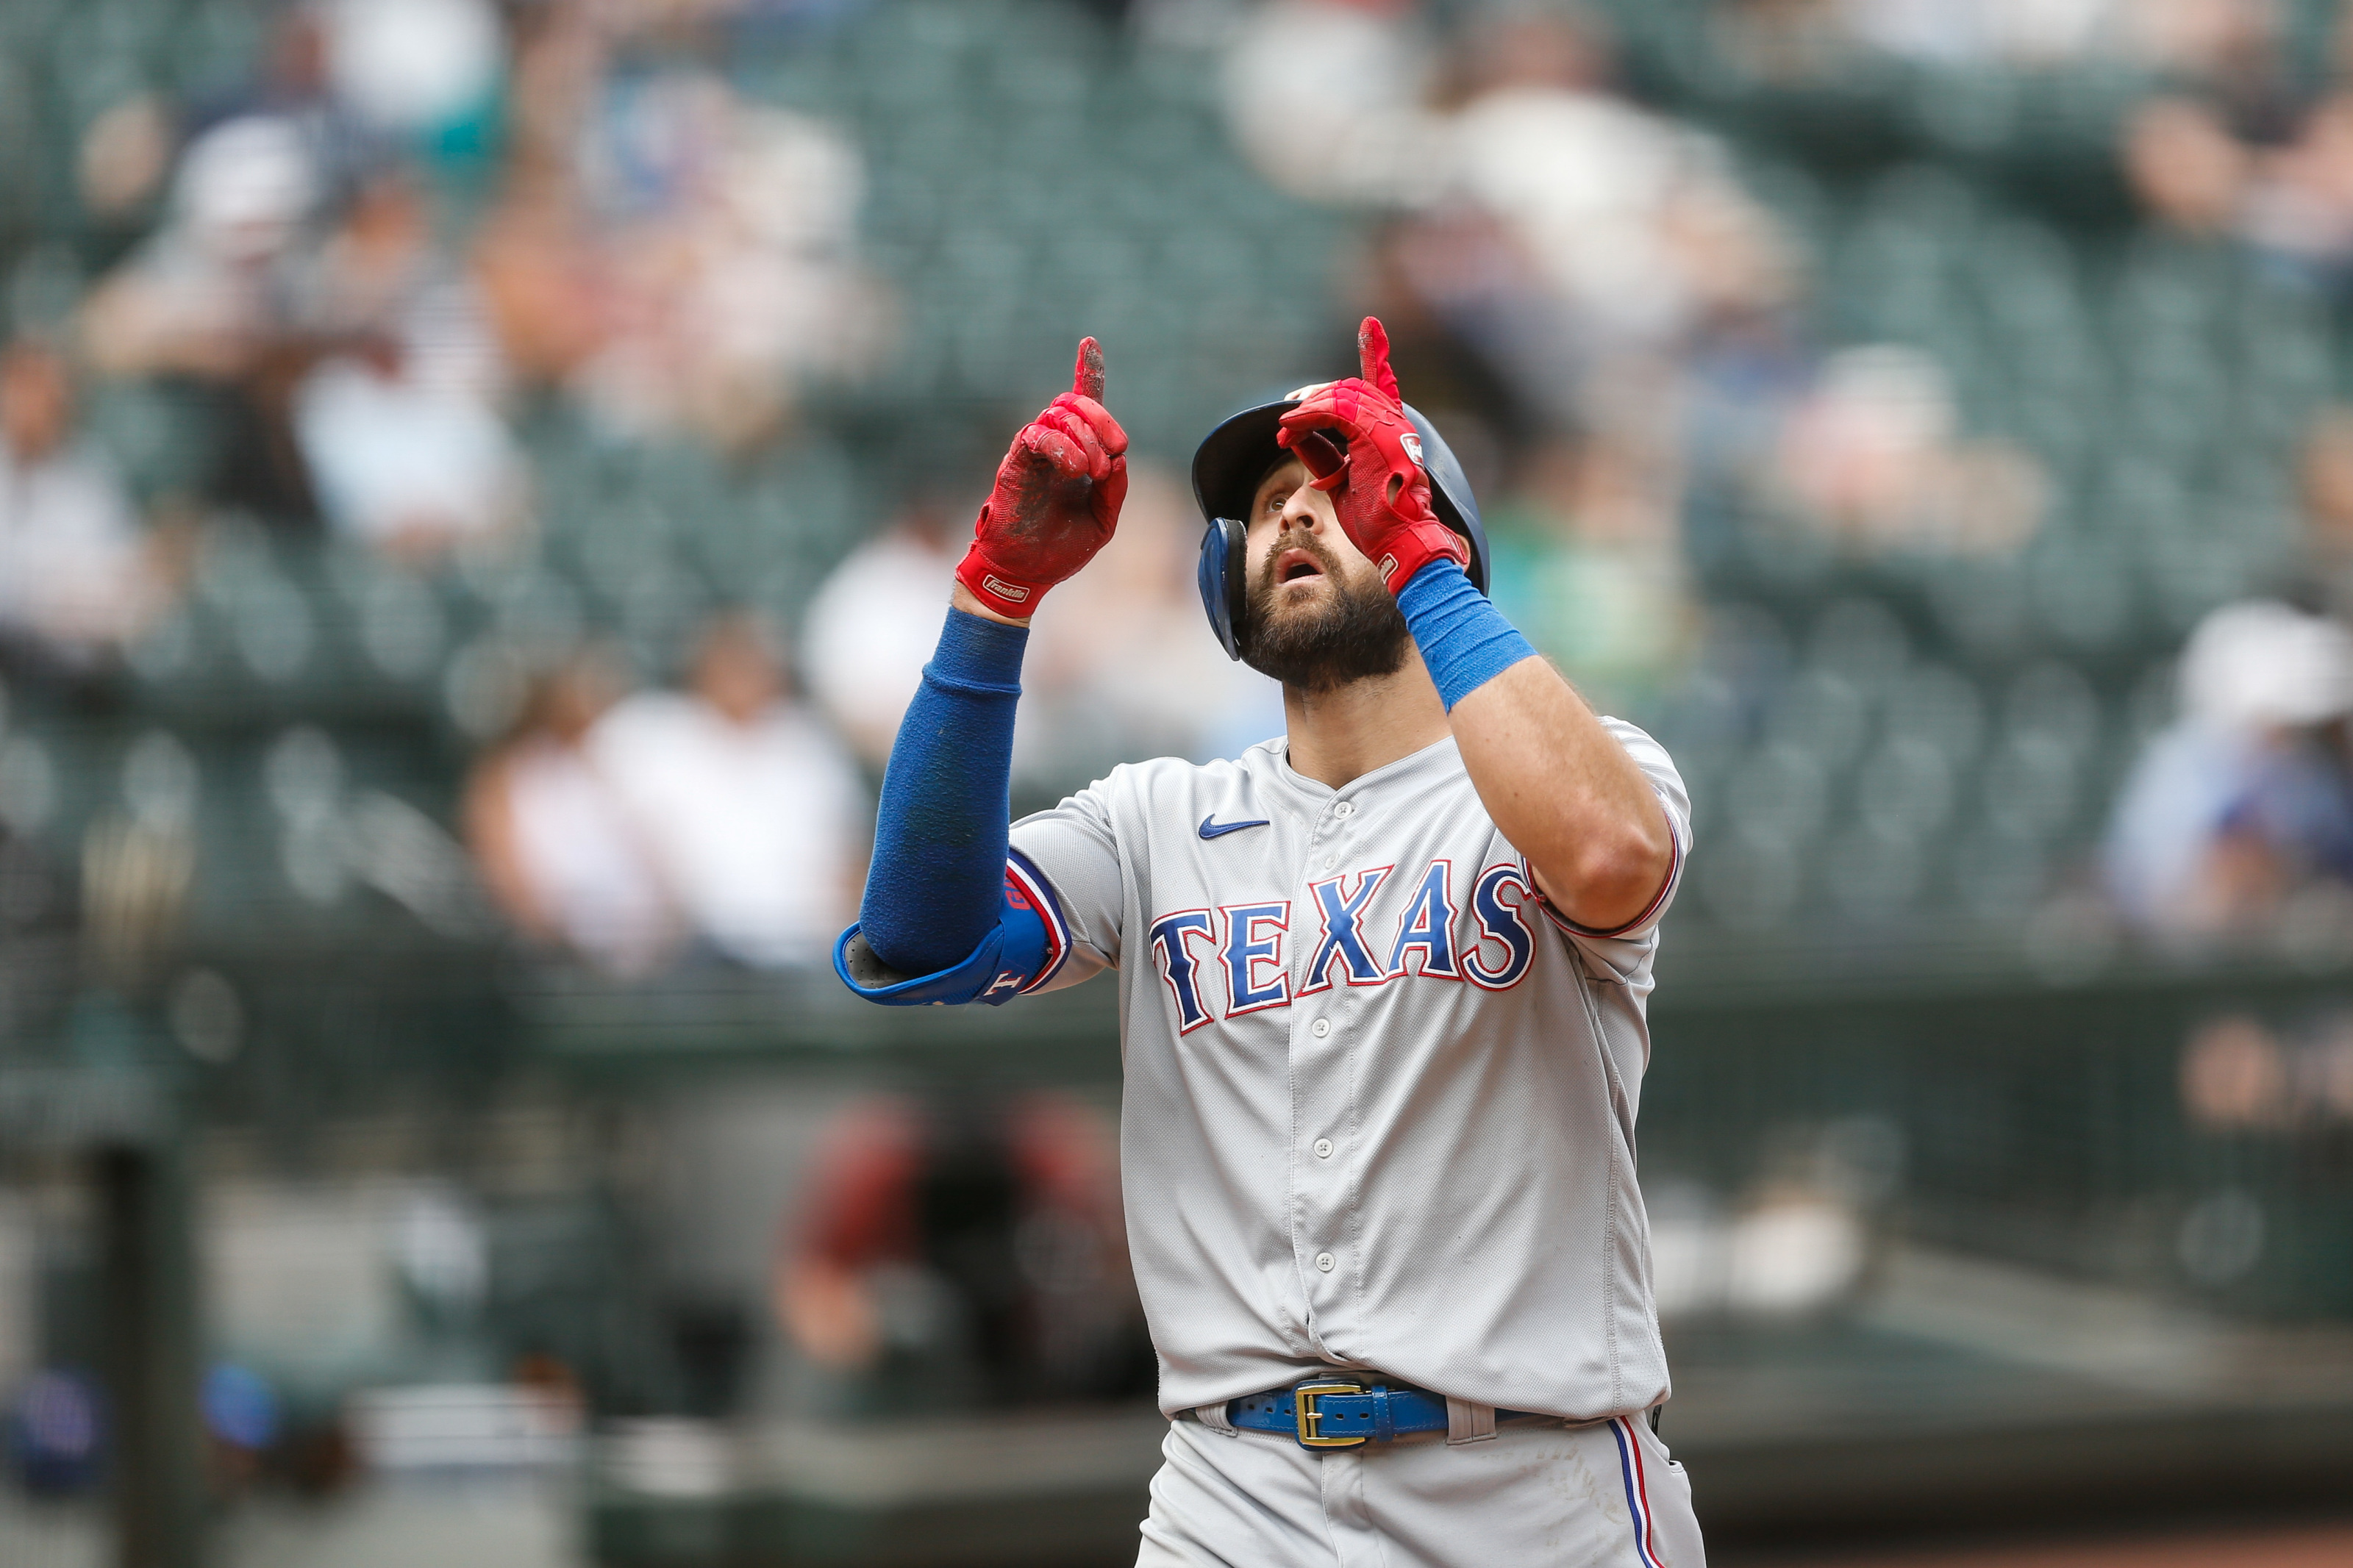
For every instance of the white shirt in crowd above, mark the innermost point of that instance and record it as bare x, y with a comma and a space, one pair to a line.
756, 829
868, 632
73, 570
591, 872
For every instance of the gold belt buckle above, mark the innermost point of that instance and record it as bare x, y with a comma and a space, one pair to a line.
1310, 1419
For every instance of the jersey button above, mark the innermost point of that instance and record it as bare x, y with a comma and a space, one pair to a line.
1326, 1262
1323, 1148
1320, 1027
1330, 862
1345, 808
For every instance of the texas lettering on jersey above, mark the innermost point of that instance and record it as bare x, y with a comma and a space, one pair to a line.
1360, 939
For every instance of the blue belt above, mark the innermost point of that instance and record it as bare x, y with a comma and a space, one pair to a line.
1324, 1412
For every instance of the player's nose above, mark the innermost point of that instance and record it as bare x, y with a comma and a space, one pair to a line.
1300, 510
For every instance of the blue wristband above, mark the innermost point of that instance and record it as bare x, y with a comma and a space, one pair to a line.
1464, 640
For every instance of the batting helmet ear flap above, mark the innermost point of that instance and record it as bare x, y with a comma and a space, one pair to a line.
1225, 580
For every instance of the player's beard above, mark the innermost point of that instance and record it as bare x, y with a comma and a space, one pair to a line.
1356, 633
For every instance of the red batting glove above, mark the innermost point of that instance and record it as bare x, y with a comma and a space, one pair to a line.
1377, 486
1057, 497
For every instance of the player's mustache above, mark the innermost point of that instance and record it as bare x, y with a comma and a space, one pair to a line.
1298, 539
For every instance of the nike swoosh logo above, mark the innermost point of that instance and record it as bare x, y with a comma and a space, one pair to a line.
1210, 829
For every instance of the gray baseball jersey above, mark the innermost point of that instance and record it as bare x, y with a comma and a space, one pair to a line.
1380, 1103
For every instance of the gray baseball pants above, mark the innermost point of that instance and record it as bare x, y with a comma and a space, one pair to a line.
1601, 1495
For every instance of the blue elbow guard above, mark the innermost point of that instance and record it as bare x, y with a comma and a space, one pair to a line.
1020, 954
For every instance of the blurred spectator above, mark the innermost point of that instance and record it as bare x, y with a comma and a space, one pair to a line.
347, 364
541, 282
1560, 256
78, 577
2230, 48
556, 846
2245, 800
2186, 167
873, 621
205, 300
2299, 213
1875, 456
1326, 99
731, 238
2291, 203
1567, 253
1588, 563
122, 158
403, 440
965, 1252
202, 295
680, 257
294, 83
754, 817
1636, 221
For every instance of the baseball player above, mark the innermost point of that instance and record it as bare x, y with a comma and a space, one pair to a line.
1382, 988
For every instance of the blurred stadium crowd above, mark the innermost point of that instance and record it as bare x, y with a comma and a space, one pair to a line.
455, 370
486, 471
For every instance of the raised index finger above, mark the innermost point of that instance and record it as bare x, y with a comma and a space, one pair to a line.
1087, 374
1373, 354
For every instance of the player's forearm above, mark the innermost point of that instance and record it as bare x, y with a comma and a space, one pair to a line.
1562, 789
934, 889
1556, 783
935, 892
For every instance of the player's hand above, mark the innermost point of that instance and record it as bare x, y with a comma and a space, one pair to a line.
1057, 497
1355, 440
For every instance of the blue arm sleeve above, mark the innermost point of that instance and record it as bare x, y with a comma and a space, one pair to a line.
939, 836
947, 916
1464, 640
